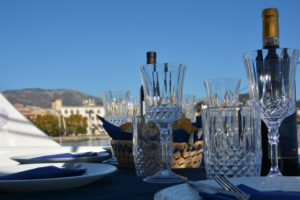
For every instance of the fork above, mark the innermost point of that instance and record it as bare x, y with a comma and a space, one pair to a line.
70, 165
202, 187
227, 185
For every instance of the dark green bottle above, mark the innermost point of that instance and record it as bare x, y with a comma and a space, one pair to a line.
151, 59
288, 142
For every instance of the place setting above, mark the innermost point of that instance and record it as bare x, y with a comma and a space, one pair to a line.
169, 145
48, 177
54, 171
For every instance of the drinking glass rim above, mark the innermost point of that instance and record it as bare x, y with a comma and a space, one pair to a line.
170, 64
254, 51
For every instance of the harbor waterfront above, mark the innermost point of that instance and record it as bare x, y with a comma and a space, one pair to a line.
76, 141
100, 143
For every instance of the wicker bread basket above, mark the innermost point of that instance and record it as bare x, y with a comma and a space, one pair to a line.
184, 156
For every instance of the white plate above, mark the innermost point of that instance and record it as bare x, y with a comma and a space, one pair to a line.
184, 192
28, 159
93, 173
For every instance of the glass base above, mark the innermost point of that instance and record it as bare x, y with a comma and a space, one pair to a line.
274, 172
165, 176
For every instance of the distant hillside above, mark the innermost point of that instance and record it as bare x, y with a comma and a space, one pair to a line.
43, 98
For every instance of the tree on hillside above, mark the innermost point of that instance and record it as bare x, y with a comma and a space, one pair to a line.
48, 124
76, 124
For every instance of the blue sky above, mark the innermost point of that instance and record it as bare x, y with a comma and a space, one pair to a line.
95, 45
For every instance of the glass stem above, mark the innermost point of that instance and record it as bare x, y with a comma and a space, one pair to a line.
166, 145
273, 135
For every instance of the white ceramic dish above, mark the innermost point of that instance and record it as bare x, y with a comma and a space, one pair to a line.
93, 173
184, 192
29, 159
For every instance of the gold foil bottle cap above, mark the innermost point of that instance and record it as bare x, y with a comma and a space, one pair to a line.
270, 11
270, 27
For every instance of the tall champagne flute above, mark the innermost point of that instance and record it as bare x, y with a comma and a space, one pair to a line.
272, 87
163, 86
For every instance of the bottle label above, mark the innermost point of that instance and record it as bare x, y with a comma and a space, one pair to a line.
288, 140
271, 41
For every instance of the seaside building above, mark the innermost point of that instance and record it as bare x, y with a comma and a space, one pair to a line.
31, 111
88, 110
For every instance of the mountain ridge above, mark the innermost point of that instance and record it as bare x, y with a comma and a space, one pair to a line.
43, 97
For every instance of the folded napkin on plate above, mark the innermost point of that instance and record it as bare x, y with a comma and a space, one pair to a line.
179, 135
42, 173
255, 194
67, 155
115, 132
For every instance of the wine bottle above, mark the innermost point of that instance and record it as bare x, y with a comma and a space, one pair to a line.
151, 59
288, 143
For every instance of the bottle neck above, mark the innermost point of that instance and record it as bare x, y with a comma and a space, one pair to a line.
271, 46
151, 57
270, 18
272, 49
272, 53
151, 60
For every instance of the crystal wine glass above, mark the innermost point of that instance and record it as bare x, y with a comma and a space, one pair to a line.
163, 86
272, 87
115, 104
222, 92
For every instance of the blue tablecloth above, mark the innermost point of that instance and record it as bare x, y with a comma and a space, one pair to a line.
123, 184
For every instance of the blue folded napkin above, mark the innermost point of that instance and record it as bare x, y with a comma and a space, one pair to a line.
115, 132
255, 194
67, 155
42, 173
179, 135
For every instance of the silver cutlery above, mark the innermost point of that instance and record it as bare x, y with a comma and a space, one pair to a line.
70, 165
227, 185
201, 187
